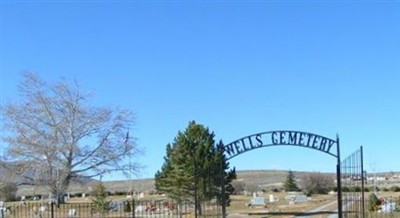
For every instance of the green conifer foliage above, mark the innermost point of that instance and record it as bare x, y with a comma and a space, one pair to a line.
193, 168
290, 183
101, 205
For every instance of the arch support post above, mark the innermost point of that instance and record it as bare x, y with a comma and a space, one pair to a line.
339, 180
222, 173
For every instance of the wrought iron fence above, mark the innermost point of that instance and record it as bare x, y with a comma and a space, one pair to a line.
116, 209
387, 207
352, 177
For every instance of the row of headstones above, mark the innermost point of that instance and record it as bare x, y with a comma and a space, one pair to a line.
292, 198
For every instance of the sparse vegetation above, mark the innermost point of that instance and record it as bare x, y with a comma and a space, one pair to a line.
8, 192
355, 189
373, 202
251, 188
397, 202
385, 189
395, 188
238, 186
127, 207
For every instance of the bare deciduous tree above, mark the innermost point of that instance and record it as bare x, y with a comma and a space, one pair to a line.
316, 183
53, 135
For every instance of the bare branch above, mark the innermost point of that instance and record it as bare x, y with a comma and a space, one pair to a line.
55, 132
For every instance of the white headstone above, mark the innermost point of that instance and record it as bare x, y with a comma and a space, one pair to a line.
1, 203
83, 195
72, 212
388, 207
271, 198
42, 209
141, 195
139, 208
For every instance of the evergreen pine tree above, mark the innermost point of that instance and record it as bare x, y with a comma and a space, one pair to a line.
101, 205
290, 183
193, 167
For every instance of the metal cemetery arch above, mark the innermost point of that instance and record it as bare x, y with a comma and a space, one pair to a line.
286, 138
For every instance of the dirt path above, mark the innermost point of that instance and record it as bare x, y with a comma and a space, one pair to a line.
326, 210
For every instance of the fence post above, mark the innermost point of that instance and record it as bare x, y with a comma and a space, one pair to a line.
362, 183
52, 209
133, 208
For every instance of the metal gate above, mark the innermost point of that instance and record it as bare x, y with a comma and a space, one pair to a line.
353, 179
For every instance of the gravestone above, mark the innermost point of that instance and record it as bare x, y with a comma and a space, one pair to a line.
271, 198
388, 207
116, 205
43, 209
72, 212
301, 198
139, 208
257, 202
141, 195
2, 209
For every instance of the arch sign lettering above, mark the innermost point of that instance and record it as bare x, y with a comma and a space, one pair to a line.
291, 138
282, 137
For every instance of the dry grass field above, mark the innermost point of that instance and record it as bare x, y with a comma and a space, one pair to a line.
266, 180
280, 208
238, 208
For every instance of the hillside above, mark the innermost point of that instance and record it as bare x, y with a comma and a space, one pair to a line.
264, 179
261, 178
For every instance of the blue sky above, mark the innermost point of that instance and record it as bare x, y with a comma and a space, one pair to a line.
237, 67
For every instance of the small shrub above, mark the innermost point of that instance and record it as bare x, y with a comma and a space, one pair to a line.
120, 193
308, 193
275, 190
8, 192
397, 202
395, 188
345, 189
127, 207
372, 188
373, 202
385, 189
76, 195
355, 189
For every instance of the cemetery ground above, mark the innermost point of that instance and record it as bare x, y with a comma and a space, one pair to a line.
318, 206
239, 206
281, 207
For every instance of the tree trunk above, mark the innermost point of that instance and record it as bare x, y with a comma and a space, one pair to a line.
59, 189
199, 210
